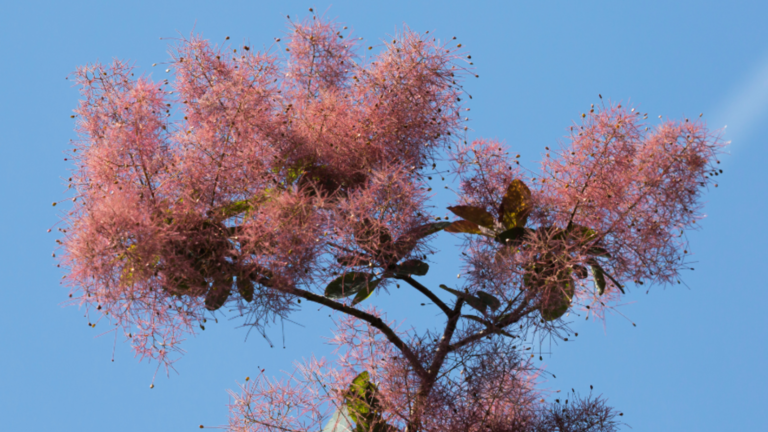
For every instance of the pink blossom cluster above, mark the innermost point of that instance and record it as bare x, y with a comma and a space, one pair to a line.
236, 181
618, 194
249, 181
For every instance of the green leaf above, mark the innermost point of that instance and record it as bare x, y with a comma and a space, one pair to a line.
362, 403
475, 215
528, 278
470, 299
245, 288
216, 297
358, 406
412, 267
593, 262
503, 318
515, 205
512, 236
365, 292
348, 284
464, 226
360, 384
490, 300
557, 233
599, 276
558, 304
182, 285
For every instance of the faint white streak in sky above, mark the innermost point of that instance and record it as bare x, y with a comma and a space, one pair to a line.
745, 107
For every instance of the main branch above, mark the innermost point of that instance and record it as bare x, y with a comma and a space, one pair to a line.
374, 321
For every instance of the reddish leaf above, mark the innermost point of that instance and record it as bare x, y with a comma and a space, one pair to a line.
463, 226
475, 215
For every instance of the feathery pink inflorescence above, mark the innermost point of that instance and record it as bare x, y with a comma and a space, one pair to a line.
619, 186
231, 183
247, 180
638, 189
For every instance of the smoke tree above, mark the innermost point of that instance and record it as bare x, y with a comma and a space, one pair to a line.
303, 175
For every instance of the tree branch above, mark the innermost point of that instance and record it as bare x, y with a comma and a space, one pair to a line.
512, 318
445, 342
428, 382
374, 321
424, 290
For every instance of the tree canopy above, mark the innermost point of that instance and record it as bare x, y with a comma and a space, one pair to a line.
249, 182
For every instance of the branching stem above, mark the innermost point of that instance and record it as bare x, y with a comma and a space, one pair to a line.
374, 321
424, 290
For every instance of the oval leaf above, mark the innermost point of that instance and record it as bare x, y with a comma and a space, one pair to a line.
347, 285
412, 267
490, 300
245, 288
560, 303
599, 277
365, 292
216, 297
475, 215
463, 226
593, 262
515, 205
236, 208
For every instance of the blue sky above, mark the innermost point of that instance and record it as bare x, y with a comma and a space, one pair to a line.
696, 360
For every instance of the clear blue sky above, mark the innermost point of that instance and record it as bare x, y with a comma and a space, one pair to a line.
696, 360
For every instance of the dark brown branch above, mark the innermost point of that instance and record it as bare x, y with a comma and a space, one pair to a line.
428, 382
374, 321
515, 316
424, 290
445, 342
